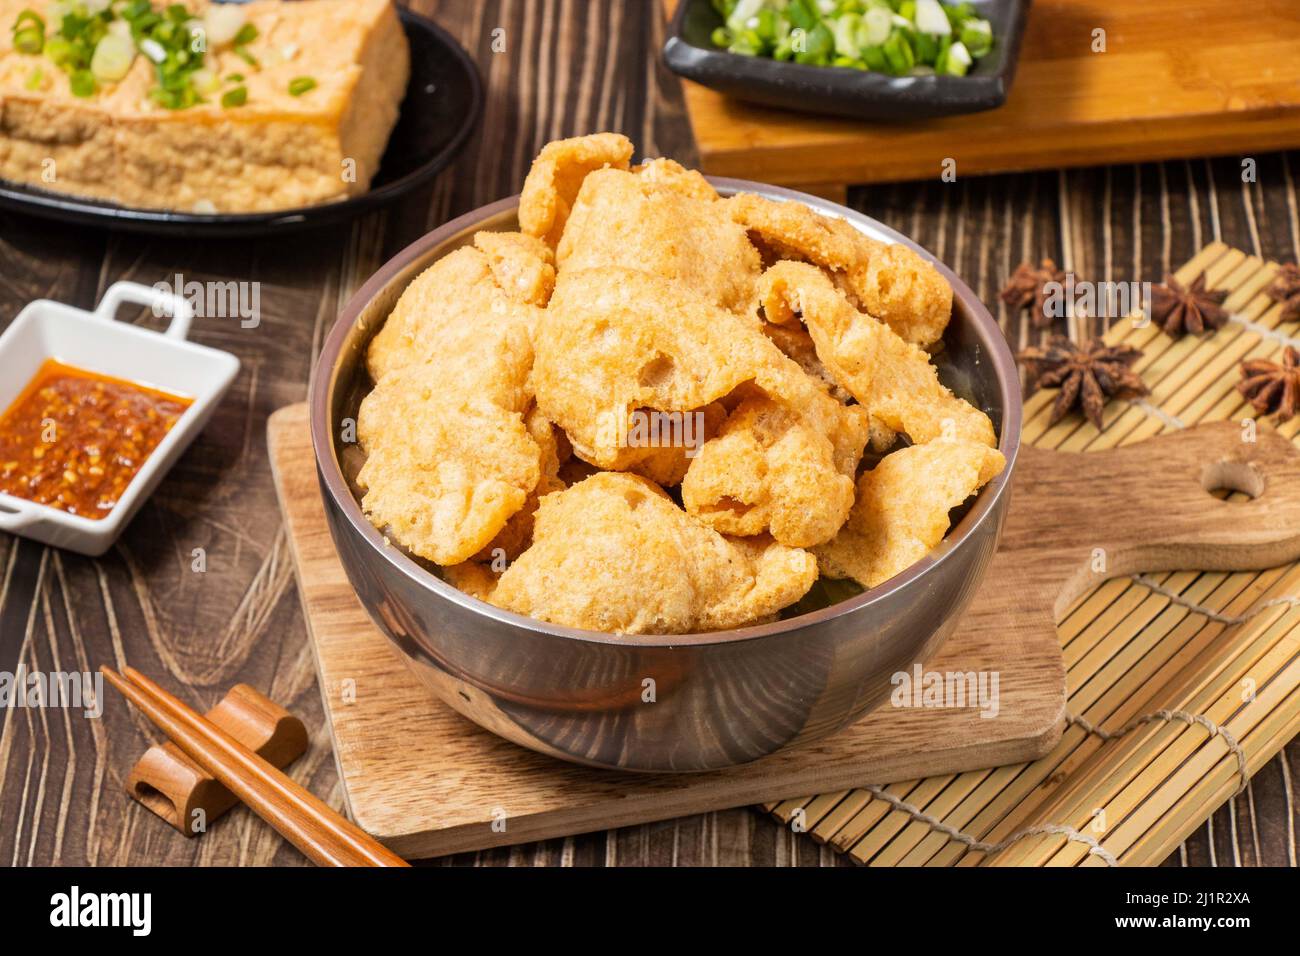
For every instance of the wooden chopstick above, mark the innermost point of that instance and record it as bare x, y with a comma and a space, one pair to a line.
303, 820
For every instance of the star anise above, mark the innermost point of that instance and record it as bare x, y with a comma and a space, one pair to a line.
1087, 374
1285, 288
1027, 287
1272, 387
1179, 309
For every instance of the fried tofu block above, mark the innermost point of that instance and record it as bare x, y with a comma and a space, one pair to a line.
556, 176
892, 378
891, 282
902, 508
615, 553
769, 471
444, 472
275, 152
636, 221
646, 343
460, 311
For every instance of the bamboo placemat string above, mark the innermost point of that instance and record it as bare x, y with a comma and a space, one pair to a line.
1170, 716
1054, 829
1150, 582
1058, 829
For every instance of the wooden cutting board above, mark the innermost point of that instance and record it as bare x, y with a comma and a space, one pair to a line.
1179, 78
428, 782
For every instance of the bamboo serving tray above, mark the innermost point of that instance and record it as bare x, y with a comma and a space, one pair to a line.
1220, 647
1179, 78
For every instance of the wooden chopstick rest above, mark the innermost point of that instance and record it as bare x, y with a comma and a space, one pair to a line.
188, 797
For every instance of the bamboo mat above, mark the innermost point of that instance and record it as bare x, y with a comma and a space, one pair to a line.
1190, 677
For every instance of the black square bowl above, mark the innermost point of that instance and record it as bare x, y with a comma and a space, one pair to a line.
844, 91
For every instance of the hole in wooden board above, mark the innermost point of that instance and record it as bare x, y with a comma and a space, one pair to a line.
1228, 476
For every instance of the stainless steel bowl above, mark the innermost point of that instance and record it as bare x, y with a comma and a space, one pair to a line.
657, 703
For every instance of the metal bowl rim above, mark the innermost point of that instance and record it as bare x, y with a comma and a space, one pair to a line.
985, 509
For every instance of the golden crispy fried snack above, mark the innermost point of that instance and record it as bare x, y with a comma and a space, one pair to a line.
444, 471
615, 554
514, 538
768, 470
793, 339
797, 344
557, 174
643, 342
476, 580
675, 176
636, 221
522, 265
451, 460
892, 378
456, 310
891, 282
902, 508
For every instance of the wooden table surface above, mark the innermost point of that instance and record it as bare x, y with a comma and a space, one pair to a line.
568, 67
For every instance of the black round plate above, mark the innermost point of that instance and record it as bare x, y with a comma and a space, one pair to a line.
443, 101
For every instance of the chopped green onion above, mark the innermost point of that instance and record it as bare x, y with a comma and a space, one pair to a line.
246, 35
82, 83
300, 85
977, 35
237, 96
930, 18
112, 59
29, 32
958, 60
846, 36
898, 54
900, 37
35, 79
875, 27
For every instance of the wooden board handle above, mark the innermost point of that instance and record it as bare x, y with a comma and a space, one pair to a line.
1148, 507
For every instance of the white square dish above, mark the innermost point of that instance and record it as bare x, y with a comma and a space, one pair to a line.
94, 342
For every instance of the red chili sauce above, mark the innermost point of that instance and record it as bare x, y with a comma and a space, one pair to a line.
74, 439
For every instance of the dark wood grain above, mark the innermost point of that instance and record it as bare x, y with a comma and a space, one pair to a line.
569, 67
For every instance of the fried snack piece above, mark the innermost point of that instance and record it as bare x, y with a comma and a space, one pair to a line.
457, 310
768, 470
636, 221
615, 554
476, 580
797, 344
675, 176
555, 451
444, 471
647, 343
556, 176
450, 458
902, 507
892, 378
891, 282
522, 265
